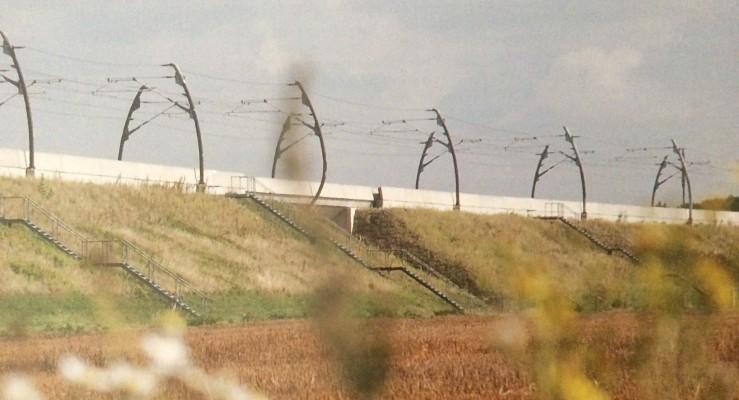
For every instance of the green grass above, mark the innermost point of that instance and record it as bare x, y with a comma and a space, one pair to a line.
254, 267
71, 312
251, 266
236, 306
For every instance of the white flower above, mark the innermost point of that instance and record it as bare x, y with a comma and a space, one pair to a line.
120, 376
127, 378
78, 372
168, 354
236, 393
18, 387
73, 369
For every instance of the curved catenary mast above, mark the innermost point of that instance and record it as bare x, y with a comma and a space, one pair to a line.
180, 80
683, 165
422, 164
539, 173
315, 127
449, 145
135, 105
571, 139
9, 50
657, 181
278, 148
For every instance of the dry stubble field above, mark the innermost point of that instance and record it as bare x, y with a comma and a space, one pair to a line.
443, 358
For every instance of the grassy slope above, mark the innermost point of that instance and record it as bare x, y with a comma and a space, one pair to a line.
717, 242
43, 289
485, 251
250, 266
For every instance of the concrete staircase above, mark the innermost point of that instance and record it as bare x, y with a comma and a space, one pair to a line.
422, 265
289, 221
425, 284
117, 253
623, 252
166, 294
599, 243
51, 239
348, 251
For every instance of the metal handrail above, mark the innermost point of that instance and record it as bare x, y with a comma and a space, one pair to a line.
52, 222
250, 184
29, 207
358, 246
30, 204
559, 209
333, 231
53, 217
151, 261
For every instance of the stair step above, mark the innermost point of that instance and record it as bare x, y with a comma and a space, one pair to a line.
164, 292
351, 253
598, 242
171, 296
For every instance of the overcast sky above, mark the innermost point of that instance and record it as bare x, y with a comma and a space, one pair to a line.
620, 75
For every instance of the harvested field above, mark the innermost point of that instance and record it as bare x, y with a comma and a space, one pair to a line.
441, 358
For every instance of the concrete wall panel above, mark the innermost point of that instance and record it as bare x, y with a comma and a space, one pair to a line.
410, 198
60, 166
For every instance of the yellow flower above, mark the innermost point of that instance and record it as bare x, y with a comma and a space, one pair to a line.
716, 282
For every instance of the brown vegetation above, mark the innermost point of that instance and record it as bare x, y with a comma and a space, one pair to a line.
441, 358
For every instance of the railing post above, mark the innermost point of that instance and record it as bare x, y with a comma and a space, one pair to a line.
251, 185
